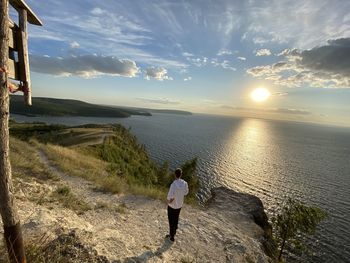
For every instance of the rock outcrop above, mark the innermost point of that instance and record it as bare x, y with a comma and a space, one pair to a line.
234, 203
225, 199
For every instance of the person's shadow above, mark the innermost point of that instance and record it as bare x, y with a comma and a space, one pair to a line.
147, 255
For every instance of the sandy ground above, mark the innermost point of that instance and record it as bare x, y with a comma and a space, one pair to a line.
126, 228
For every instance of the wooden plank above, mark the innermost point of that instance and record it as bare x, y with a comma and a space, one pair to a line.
11, 24
12, 38
23, 58
32, 18
12, 69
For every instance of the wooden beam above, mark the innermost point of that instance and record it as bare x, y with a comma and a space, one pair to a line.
11, 23
12, 67
23, 57
9, 215
12, 38
32, 18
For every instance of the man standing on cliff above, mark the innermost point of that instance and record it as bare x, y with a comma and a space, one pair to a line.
177, 192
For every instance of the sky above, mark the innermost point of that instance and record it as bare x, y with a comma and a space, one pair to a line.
205, 56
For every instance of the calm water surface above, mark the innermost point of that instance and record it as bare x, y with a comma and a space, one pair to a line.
270, 159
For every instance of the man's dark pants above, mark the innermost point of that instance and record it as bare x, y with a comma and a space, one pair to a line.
173, 217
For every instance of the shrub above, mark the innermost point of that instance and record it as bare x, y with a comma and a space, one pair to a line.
189, 174
294, 219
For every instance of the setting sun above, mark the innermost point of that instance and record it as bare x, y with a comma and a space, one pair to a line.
260, 94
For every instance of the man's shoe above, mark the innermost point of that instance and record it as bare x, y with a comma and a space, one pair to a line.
170, 237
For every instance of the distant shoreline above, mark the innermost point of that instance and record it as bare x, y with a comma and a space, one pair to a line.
51, 107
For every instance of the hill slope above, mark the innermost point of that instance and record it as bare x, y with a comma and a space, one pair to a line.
105, 227
67, 107
81, 198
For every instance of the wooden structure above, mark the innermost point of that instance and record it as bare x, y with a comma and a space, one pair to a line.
18, 63
13, 64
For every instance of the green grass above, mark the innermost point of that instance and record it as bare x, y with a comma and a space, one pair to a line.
127, 157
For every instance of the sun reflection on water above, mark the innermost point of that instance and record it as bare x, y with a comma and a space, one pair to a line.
246, 158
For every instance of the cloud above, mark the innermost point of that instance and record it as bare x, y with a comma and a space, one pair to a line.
280, 94
270, 110
157, 74
334, 58
225, 64
187, 54
291, 111
261, 40
322, 66
208, 101
303, 24
84, 66
263, 52
223, 52
139, 30
242, 58
198, 62
188, 78
159, 100
74, 44
125, 35
97, 11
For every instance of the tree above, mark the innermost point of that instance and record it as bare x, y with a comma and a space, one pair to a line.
294, 219
189, 174
163, 174
9, 215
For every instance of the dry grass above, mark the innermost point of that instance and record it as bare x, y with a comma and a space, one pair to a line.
76, 163
66, 248
26, 162
151, 191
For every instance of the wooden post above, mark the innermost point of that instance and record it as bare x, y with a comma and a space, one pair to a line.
23, 53
9, 215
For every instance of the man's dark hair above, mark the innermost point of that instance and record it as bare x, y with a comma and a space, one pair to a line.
178, 173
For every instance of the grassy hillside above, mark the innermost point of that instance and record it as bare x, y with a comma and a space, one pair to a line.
166, 111
108, 155
66, 107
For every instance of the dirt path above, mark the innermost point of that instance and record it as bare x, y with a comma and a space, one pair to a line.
109, 224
